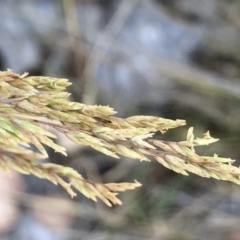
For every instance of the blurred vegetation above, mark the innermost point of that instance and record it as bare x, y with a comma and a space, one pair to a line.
126, 54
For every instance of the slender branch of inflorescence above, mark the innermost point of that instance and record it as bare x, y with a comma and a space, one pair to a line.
29, 105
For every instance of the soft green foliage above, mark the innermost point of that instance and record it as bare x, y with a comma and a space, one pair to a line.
30, 105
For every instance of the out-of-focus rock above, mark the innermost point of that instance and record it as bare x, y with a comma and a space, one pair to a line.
121, 70
54, 212
123, 64
9, 213
18, 47
127, 75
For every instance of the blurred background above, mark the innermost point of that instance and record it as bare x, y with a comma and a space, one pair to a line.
169, 58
